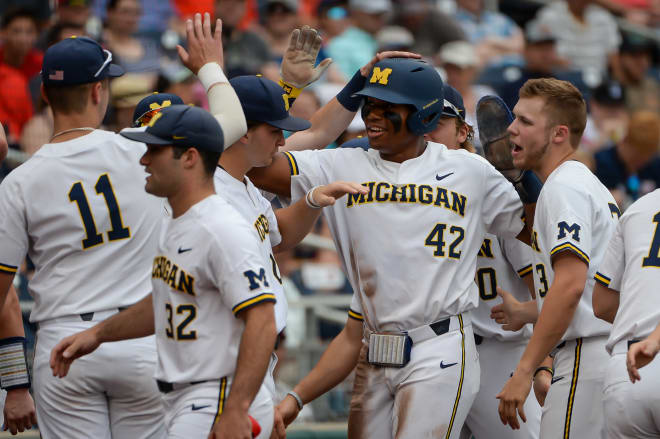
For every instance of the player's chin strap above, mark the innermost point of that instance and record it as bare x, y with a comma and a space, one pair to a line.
13, 364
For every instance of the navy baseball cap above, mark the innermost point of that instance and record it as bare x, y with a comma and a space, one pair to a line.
264, 101
453, 105
151, 105
180, 125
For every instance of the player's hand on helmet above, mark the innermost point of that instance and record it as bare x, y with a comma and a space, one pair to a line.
70, 348
298, 61
366, 69
204, 46
542, 382
327, 195
639, 355
512, 399
507, 313
232, 424
19, 411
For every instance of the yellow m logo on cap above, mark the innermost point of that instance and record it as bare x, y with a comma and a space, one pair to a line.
156, 105
154, 119
380, 76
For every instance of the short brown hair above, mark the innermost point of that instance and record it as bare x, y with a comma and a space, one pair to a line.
563, 102
68, 99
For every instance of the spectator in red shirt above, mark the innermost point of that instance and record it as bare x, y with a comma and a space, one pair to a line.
15, 102
18, 33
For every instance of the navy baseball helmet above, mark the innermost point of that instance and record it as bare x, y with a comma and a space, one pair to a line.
453, 103
412, 82
152, 104
180, 125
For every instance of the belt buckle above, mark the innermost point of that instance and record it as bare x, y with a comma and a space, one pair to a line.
164, 386
389, 350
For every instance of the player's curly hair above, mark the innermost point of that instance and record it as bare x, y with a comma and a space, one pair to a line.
467, 143
563, 102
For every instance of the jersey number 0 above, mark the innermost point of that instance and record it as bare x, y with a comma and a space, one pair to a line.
92, 236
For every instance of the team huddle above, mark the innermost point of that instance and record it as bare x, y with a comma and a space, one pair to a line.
159, 302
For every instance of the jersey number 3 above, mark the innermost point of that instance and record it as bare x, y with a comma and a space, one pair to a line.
92, 236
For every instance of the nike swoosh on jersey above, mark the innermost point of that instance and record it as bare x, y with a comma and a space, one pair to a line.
183, 250
444, 366
440, 177
199, 407
555, 379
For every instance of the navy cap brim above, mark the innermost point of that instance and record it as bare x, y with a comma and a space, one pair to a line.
382, 94
290, 123
115, 70
141, 135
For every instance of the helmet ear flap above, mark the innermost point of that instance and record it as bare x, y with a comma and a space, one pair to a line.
425, 120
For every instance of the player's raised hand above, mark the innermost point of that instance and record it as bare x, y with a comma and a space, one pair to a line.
508, 312
639, 355
327, 195
204, 46
366, 69
19, 411
512, 399
298, 61
70, 348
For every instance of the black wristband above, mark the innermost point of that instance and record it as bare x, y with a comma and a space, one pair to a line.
528, 187
345, 96
550, 370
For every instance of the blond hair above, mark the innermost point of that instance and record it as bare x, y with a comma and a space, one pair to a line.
563, 102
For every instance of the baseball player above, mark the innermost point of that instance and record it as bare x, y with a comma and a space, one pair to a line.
575, 218
74, 209
502, 263
211, 306
625, 295
409, 247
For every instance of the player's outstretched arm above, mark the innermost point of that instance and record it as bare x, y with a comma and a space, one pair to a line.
338, 360
642, 353
19, 411
513, 314
334, 117
254, 352
205, 58
297, 220
605, 302
134, 322
559, 306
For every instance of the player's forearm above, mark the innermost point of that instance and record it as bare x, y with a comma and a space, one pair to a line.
223, 103
275, 178
558, 309
528, 311
11, 318
134, 322
327, 125
257, 343
294, 223
605, 302
338, 360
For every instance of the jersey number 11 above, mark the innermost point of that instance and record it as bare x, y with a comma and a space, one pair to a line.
92, 236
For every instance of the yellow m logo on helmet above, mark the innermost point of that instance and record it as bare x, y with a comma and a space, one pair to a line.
380, 76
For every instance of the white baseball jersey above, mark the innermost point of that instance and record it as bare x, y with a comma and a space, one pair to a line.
409, 246
632, 267
501, 263
208, 269
576, 213
258, 212
72, 208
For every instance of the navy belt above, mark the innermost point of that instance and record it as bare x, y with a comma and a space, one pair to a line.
478, 339
166, 387
88, 316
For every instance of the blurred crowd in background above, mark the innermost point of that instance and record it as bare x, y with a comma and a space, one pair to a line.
609, 49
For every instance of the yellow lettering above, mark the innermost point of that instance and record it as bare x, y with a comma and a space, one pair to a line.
380, 76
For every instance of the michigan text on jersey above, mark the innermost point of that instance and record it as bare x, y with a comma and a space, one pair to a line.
172, 275
383, 192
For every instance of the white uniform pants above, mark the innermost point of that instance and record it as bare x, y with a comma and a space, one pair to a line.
110, 393
632, 411
429, 397
574, 406
497, 360
191, 412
